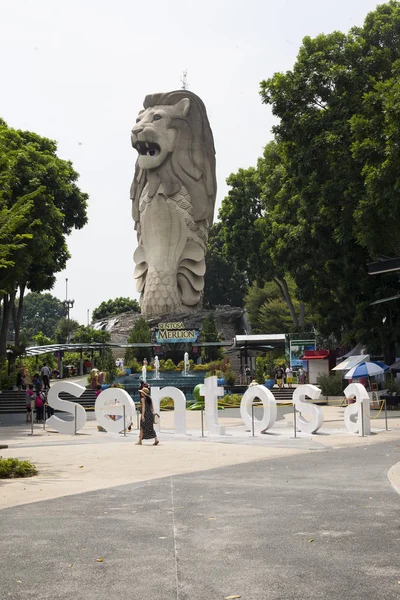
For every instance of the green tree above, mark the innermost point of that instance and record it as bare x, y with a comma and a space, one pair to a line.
140, 334
63, 328
41, 314
87, 335
245, 227
224, 284
267, 311
209, 333
40, 339
30, 168
115, 307
336, 206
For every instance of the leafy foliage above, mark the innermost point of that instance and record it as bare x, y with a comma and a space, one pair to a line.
41, 314
115, 307
62, 329
12, 468
84, 334
140, 334
32, 174
209, 333
331, 385
337, 204
224, 283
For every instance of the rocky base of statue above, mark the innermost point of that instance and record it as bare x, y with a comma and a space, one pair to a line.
229, 321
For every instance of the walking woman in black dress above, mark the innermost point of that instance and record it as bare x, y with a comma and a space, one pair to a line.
147, 431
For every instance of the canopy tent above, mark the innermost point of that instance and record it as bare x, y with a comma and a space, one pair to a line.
351, 362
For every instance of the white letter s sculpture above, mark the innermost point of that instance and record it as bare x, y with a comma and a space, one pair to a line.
306, 408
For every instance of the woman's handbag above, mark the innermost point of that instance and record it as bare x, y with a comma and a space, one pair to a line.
156, 418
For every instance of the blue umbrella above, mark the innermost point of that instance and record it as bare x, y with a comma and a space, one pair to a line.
365, 369
384, 366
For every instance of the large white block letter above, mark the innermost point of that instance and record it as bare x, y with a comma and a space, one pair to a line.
211, 391
111, 402
269, 404
179, 398
352, 412
73, 408
313, 412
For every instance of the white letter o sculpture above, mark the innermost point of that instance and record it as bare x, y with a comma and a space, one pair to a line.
269, 404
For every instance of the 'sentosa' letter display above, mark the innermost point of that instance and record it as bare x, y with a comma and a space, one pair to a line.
353, 412
305, 408
269, 403
73, 408
173, 196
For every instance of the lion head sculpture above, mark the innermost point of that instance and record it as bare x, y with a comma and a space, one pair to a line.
176, 148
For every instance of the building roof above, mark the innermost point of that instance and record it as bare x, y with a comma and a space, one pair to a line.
262, 338
315, 355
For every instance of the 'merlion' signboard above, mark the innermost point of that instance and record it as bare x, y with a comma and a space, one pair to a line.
172, 333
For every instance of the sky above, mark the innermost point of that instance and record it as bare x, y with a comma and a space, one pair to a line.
78, 71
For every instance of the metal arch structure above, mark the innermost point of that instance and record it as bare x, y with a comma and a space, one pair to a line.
38, 350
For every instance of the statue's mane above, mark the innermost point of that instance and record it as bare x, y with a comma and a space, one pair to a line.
192, 164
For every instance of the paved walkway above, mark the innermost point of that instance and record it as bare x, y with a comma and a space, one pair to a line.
269, 517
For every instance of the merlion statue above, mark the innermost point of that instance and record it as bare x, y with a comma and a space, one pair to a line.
173, 197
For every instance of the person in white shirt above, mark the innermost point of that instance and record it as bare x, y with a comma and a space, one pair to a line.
45, 373
289, 376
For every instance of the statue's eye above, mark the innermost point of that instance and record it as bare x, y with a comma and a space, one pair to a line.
157, 117
137, 120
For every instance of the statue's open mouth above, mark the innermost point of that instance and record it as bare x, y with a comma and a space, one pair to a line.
147, 148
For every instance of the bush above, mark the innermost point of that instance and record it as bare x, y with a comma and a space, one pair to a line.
167, 365
11, 468
134, 366
231, 400
230, 377
331, 385
202, 367
260, 369
392, 386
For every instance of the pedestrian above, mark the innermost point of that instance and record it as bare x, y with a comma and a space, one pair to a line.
147, 431
39, 407
300, 374
247, 372
45, 373
279, 376
289, 376
29, 394
37, 384
19, 380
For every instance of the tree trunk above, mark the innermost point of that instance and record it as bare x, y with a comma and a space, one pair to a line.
8, 300
302, 316
284, 291
17, 315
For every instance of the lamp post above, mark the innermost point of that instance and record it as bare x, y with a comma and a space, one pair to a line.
68, 305
9, 355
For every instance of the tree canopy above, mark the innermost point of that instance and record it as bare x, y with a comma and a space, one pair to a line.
324, 199
224, 283
139, 334
41, 314
31, 172
115, 307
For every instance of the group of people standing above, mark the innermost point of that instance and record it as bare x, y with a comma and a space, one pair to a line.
284, 375
36, 394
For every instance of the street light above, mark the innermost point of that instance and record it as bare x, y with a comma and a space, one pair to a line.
68, 305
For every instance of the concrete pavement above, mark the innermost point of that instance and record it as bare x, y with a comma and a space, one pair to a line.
319, 525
